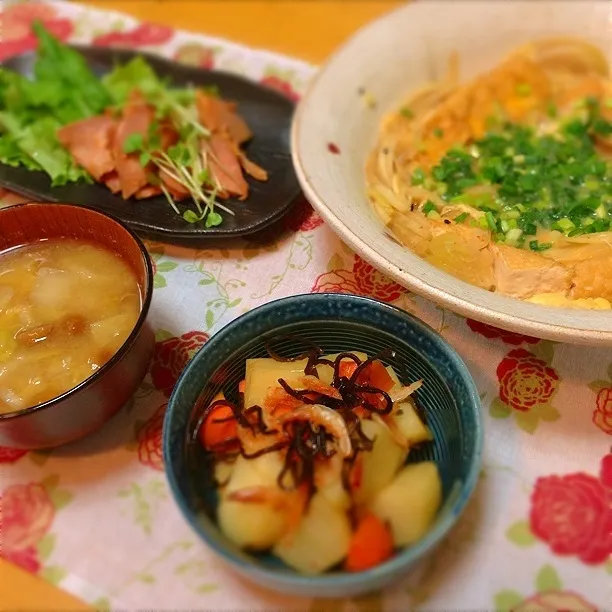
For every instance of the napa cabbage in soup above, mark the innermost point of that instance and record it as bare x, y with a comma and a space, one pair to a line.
66, 307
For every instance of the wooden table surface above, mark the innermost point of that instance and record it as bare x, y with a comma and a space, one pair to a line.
310, 30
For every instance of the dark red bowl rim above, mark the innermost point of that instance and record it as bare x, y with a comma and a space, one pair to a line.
144, 311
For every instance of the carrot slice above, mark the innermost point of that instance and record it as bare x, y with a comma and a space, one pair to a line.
219, 428
378, 376
362, 412
278, 402
347, 367
373, 375
371, 544
241, 386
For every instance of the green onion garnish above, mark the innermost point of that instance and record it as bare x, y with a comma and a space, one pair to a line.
418, 176
428, 207
534, 245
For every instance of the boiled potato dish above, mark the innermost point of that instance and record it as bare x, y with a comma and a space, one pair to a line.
310, 462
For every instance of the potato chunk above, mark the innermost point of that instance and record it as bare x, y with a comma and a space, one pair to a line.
329, 483
320, 541
263, 374
254, 526
374, 469
409, 424
410, 502
223, 472
257, 523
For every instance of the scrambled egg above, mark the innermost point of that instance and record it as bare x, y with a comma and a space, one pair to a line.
561, 301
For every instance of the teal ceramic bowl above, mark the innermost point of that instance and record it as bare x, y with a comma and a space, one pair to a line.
336, 323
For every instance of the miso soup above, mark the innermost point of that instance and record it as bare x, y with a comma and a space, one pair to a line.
66, 307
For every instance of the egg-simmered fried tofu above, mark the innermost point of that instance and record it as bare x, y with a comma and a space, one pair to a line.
592, 279
462, 258
522, 274
459, 250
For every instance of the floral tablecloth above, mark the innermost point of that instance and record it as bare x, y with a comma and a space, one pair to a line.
96, 518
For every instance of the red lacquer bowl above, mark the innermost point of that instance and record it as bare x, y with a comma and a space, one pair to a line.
86, 407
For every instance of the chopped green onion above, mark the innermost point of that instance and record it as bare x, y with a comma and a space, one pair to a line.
490, 219
565, 225
428, 207
537, 180
418, 176
513, 235
462, 217
510, 214
534, 245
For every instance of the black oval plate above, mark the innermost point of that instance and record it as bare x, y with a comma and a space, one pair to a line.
267, 113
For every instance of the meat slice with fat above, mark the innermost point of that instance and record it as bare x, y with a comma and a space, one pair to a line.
218, 115
89, 142
224, 166
137, 119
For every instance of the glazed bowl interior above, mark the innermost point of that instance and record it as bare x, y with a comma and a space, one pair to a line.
335, 323
31, 223
389, 59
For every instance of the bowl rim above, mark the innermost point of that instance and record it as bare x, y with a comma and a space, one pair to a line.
401, 561
498, 315
147, 295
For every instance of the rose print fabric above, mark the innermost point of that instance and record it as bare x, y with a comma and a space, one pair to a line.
525, 381
490, 332
361, 279
15, 24
149, 438
170, 357
572, 514
96, 518
27, 515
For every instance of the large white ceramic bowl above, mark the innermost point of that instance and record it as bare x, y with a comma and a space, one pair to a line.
389, 58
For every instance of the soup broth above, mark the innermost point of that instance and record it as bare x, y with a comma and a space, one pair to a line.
66, 307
